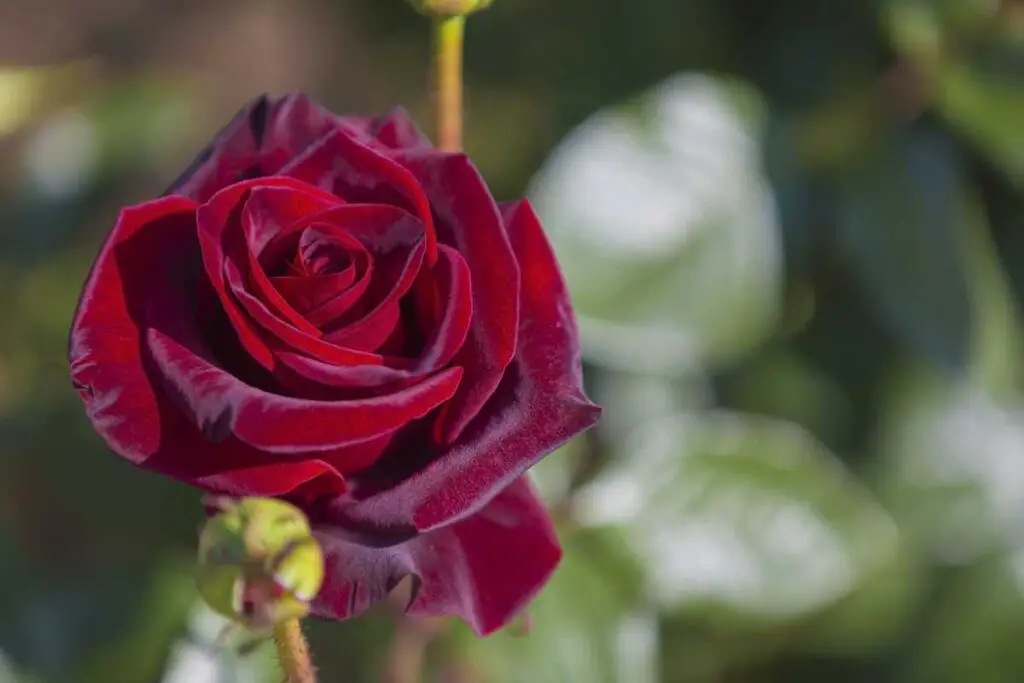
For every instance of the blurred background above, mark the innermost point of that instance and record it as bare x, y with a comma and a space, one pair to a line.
794, 233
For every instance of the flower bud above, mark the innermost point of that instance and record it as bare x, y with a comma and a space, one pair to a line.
258, 562
449, 8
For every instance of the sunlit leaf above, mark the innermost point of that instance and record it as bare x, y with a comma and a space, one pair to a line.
748, 515
952, 470
665, 226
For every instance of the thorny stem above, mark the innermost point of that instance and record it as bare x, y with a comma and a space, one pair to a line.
448, 37
293, 652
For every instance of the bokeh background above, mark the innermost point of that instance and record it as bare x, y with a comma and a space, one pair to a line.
794, 232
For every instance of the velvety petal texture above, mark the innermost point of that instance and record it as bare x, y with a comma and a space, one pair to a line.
328, 309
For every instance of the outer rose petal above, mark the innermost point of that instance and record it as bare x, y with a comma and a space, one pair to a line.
395, 130
483, 569
261, 139
269, 133
220, 404
539, 405
468, 220
149, 259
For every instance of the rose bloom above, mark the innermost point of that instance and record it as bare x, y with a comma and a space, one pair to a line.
330, 310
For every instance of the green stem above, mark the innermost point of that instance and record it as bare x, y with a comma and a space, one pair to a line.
293, 652
448, 36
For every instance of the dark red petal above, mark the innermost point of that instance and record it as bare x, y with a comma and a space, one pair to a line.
271, 210
539, 405
214, 224
104, 345
322, 374
144, 276
450, 276
221, 405
395, 130
348, 168
395, 239
483, 569
468, 220
267, 216
452, 284
324, 297
308, 293
262, 137
322, 251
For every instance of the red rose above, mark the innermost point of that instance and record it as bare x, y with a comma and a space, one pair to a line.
330, 310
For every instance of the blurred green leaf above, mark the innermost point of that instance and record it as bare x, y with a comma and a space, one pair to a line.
878, 614
745, 517
1004, 209
140, 651
951, 468
998, 340
665, 226
975, 630
901, 208
989, 110
588, 625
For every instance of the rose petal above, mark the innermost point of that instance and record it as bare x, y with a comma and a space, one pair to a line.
219, 404
261, 139
468, 220
348, 168
324, 252
539, 405
151, 258
451, 278
272, 209
267, 216
451, 282
104, 351
216, 224
483, 569
395, 130
308, 293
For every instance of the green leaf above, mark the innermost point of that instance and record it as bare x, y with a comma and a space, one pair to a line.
878, 614
1004, 209
138, 654
974, 627
588, 625
988, 109
950, 467
900, 210
665, 226
741, 516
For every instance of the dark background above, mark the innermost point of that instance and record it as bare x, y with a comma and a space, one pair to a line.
795, 236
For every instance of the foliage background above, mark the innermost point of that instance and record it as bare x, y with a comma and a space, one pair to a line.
795, 235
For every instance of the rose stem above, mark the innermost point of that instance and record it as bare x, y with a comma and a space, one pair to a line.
293, 652
448, 33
